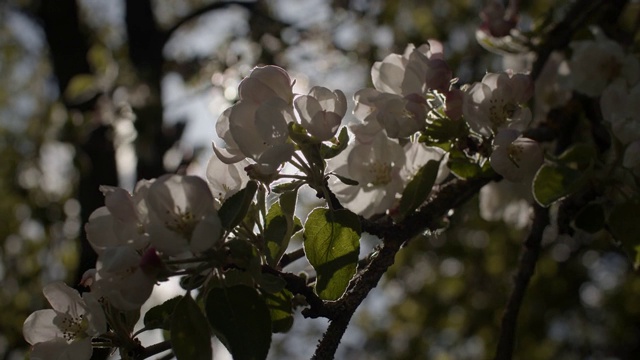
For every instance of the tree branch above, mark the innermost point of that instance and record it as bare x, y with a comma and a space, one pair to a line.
451, 195
526, 267
203, 10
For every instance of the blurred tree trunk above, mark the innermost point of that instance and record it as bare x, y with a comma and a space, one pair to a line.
95, 152
146, 41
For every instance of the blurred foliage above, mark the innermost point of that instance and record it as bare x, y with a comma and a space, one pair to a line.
447, 291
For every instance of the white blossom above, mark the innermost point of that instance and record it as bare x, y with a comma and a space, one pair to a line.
497, 102
514, 157
321, 111
226, 179
64, 332
182, 216
376, 167
596, 63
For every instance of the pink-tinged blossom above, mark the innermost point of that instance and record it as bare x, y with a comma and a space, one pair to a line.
498, 21
182, 216
65, 331
514, 157
498, 102
321, 111
376, 167
454, 104
596, 63
620, 107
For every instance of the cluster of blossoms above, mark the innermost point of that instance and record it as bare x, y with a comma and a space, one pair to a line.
171, 217
175, 217
415, 123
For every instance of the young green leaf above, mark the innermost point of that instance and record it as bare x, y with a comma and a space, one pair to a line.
418, 188
190, 333
241, 319
281, 310
280, 226
553, 182
235, 208
329, 152
332, 245
159, 316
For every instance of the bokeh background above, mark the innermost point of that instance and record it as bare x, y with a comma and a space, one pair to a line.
97, 92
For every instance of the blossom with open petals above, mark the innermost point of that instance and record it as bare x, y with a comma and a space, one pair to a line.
182, 216
64, 332
121, 221
399, 116
414, 72
376, 167
226, 179
597, 63
117, 233
321, 111
514, 157
256, 126
497, 102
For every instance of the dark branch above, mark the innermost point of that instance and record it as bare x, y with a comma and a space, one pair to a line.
203, 10
450, 196
526, 267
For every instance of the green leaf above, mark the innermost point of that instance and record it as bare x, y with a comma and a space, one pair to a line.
299, 135
280, 226
288, 186
244, 255
241, 319
159, 316
578, 156
418, 188
590, 218
328, 152
190, 333
464, 168
553, 182
275, 231
332, 245
624, 224
444, 130
271, 283
281, 310
82, 87
193, 281
235, 208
